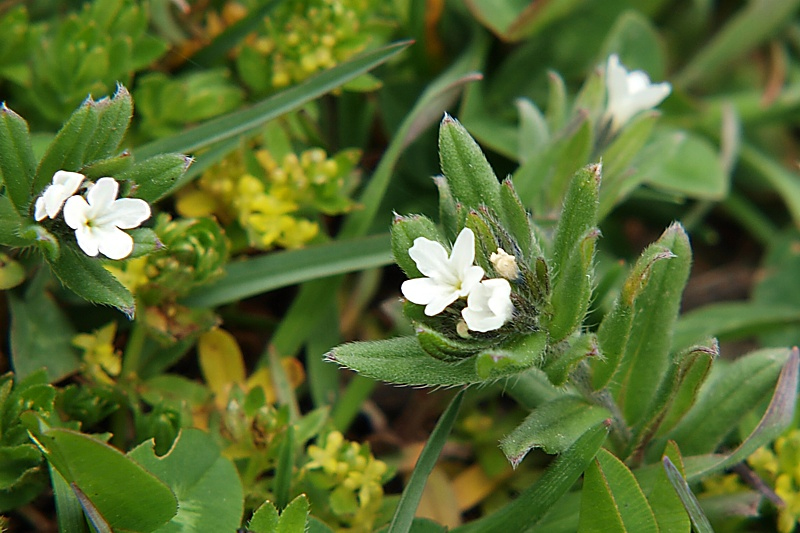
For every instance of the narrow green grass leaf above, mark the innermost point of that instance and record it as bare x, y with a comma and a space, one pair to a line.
537, 500
246, 120
280, 269
68, 507
752, 25
700, 523
284, 469
667, 506
404, 515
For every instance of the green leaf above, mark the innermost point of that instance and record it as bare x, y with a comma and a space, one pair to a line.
733, 320
412, 493
512, 357
615, 329
10, 224
155, 177
646, 358
86, 277
637, 42
100, 472
469, 175
284, 469
206, 484
17, 163
561, 363
700, 523
752, 25
68, 507
114, 117
280, 269
265, 519
578, 217
553, 426
612, 500
682, 162
405, 230
666, 504
776, 419
730, 392
295, 517
41, 336
534, 132
401, 360
517, 222
536, 501
68, 149
247, 120
776, 175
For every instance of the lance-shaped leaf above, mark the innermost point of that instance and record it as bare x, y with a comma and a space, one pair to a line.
553, 426
153, 178
518, 355
110, 166
406, 229
615, 329
100, 472
17, 162
11, 224
448, 209
667, 506
776, 419
469, 175
731, 391
114, 117
578, 217
43, 239
442, 347
693, 368
403, 361
538, 499
68, 149
681, 383
572, 289
516, 220
647, 354
612, 500
86, 277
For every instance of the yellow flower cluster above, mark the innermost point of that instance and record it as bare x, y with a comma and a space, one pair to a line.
101, 361
304, 37
780, 466
355, 477
266, 200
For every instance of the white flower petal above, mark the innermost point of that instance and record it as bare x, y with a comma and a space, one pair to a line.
130, 212
102, 194
463, 253
489, 305
87, 240
39, 211
470, 279
70, 180
426, 291
75, 212
430, 257
114, 243
630, 93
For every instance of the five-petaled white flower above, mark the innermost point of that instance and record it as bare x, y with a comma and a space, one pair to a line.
448, 278
488, 305
98, 223
630, 92
63, 186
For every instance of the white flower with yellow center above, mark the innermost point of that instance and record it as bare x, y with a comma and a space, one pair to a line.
488, 305
63, 186
630, 92
99, 219
448, 278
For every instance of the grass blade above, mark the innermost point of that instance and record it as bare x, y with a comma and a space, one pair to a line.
700, 523
246, 120
281, 269
404, 515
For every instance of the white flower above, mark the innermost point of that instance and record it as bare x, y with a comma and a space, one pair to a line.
448, 278
63, 186
630, 92
98, 223
488, 305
